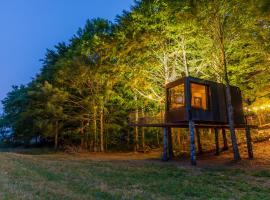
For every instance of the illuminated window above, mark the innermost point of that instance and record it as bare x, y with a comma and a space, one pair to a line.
176, 97
199, 96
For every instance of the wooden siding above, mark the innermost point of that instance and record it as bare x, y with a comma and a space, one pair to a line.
217, 109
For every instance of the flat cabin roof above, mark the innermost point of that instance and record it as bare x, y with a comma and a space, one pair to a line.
191, 79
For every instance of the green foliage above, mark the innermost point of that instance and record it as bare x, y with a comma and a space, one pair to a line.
87, 87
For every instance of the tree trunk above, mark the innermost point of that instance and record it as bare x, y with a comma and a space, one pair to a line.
217, 141
165, 144
231, 123
192, 142
158, 143
82, 136
143, 139
249, 143
136, 131
183, 45
230, 111
56, 135
101, 130
166, 69
143, 133
136, 136
106, 140
95, 128
225, 143
128, 136
179, 139
170, 143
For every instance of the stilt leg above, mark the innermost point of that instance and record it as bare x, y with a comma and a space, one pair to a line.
170, 146
165, 144
179, 139
225, 143
192, 142
249, 143
217, 141
199, 141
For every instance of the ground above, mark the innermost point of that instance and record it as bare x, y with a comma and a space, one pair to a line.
40, 175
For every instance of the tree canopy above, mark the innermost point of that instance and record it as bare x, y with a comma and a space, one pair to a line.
87, 87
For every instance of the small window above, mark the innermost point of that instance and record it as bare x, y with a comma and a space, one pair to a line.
176, 97
199, 96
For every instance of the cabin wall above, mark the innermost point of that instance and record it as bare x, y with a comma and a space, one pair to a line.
221, 105
217, 109
178, 115
239, 117
216, 112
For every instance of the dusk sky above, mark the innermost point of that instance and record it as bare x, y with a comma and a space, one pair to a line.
29, 27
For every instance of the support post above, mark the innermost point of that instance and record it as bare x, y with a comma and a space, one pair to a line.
249, 143
192, 142
170, 145
217, 141
191, 124
165, 144
198, 137
179, 139
225, 142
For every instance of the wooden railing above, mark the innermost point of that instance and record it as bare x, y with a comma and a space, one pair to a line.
262, 119
146, 118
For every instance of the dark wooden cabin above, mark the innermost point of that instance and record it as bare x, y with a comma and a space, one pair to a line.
204, 101
196, 103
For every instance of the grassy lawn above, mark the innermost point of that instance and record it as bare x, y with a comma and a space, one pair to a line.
60, 176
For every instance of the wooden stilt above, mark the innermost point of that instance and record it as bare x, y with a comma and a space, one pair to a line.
158, 143
192, 142
249, 143
198, 137
225, 142
170, 143
165, 144
179, 139
217, 141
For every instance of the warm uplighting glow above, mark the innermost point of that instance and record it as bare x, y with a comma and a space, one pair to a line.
199, 96
257, 108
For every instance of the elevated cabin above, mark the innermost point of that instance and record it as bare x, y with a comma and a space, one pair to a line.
201, 100
196, 103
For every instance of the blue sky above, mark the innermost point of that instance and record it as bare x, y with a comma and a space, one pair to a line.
28, 27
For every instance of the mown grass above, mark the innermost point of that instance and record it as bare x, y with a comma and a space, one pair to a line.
58, 176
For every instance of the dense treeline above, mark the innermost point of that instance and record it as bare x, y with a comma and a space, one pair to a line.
87, 87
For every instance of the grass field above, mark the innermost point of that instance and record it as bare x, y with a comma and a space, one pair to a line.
131, 176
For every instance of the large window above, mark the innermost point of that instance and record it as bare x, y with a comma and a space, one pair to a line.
199, 96
176, 97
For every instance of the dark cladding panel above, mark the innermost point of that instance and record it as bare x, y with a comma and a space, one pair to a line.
207, 101
177, 115
237, 105
222, 108
214, 101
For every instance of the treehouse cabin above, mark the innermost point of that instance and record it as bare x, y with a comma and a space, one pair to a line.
195, 103
202, 101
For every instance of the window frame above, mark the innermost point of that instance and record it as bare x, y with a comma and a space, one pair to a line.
207, 96
169, 102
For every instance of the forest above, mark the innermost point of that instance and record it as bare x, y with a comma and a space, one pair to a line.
87, 87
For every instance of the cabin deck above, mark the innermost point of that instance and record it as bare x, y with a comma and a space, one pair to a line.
186, 125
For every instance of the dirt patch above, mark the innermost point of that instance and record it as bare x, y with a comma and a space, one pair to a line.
225, 159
